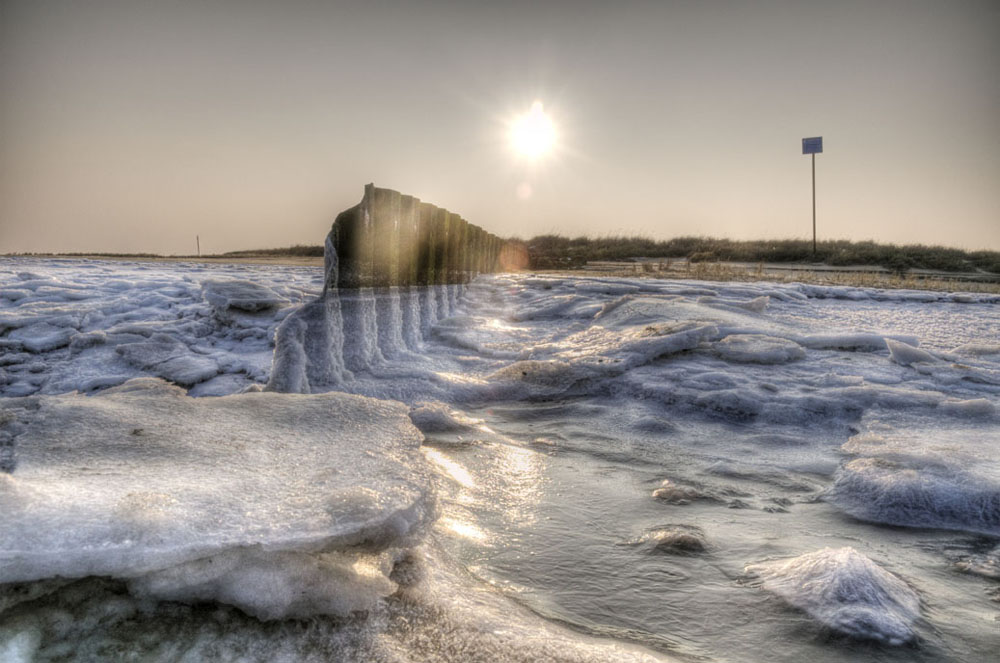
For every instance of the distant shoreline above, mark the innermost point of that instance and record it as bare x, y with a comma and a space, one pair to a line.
546, 252
297, 261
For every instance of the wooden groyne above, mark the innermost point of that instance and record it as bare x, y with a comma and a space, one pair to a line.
391, 239
394, 267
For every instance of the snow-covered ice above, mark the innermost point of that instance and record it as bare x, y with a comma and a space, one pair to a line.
925, 471
93, 324
247, 296
396, 465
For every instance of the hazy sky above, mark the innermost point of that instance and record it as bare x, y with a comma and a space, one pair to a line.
134, 126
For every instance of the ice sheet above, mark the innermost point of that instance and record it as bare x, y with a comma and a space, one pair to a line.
250, 499
724, 407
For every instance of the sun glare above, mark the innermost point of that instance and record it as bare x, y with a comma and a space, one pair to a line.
532, 134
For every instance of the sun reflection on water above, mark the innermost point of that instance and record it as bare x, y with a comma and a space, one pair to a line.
451, 468
517, 475
464, 529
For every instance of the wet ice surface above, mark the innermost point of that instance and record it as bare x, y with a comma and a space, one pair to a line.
678, 465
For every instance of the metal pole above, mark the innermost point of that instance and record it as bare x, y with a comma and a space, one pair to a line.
814, 204
198, 240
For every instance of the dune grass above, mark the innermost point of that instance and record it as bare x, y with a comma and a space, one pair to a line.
722, 271
299, 250
557, 251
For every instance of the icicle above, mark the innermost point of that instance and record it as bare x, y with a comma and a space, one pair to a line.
390, 322
428, 309
357, 307
409, 305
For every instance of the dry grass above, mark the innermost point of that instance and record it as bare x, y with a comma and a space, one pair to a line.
715, 271
559, 252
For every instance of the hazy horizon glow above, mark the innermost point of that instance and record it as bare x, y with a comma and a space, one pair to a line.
133, 126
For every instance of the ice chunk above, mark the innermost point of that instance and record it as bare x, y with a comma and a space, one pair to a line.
439, 418
755, 305
143, 483
906, 355
246, 296
11, 358
846, 592
14, 294
43, 336
922, 296
168, 358
985, 564
609, 307
758, 349
917, 494
100, 382
561, 306
673, 540
672, 492
276, 585
186, 370
222, 385
611, 288
733, 404
975, 407
924, 474
80, 342
655, 341
613, 351
978, 349
865, 342
544, 376
774, 440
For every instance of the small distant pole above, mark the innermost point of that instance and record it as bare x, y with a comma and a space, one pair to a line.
198, 238
813, 146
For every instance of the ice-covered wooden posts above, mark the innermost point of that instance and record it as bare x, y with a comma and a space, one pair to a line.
390, 239
393, 265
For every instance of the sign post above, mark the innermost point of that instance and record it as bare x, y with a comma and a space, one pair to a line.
813, 146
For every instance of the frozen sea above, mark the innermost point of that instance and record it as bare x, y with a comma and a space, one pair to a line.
524, 468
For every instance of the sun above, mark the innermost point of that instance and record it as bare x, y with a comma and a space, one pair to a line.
533, 135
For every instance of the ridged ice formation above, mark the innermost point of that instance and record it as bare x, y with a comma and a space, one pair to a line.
393, 267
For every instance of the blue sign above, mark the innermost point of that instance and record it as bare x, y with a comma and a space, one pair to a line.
812, 145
